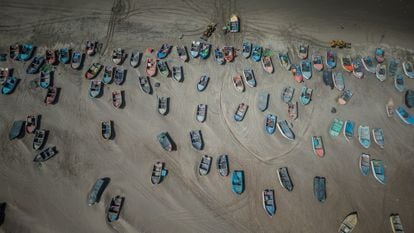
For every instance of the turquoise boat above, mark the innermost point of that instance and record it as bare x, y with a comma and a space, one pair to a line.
9, 85
336, 127
205, 50
377, 167
305, 95
270, 123
349, 130
364, 136
257, 53
64, 55
26, 52
237, 182
404, 116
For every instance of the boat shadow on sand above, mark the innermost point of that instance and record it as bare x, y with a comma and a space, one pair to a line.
58, 90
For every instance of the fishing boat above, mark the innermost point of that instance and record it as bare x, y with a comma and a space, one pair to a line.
14, 51
404, 116
16, 130
379, 55
346, 62
269, 203
246, 49
345, 97
201, 112
240, 112
339, 81
284, 178
163, 105
95, 88
228, 52
35, 65
377, 167
317, 146
285, 61
51, 56
195, 49
364, 136
177, 73
319, 188
25, 52
163, 51
263, 101
106, 129
4, 73
364, 164
144, 84
135, 58
45, 79
223, 165
408, 69
285, 130
328, 78
39, 139
45, 154
270, 123
349, 223
368, 64
204, 50
90, 47
158, 173
396, 223
305, 95
117, 100
202, 83
237, 182
64, 55
97, 191
119, 76
108, 74
219, 56
196, 139
357, 71
9, 85
317, 62
267, 64
336, 127
389, 108
115, 207
297, 73
163, 68
151, 67
257, 51
205, 164
182, 53
165, 141
303, 51
76, 61
118, 56
306, 68
93, 70
330, 59
293, 110
51, 95
381, 72
249, 77
234, 23
349, 130
238, 83
393, 67
399, 83
287, 94
31, 123
378, 136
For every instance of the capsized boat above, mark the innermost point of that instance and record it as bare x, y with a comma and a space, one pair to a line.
31, 123
393, 67
25, 52
396, 223
163, 105
117, 100
346, 62
379, 55
35, 65
182, 53
330, 59
108, 74
234, 23
16, 130
306, 68
195, 49
158, 173
378, 136
97, 190
144, 84
377, 167
305, 95
228, 52
345, 97
293, 110
357, 71
223, 165
118, 56
165, 141
119, 76
319, 188
163, 51
237, 182
389, 108
267, 64
287, 94
51, 95
114, 209
95, 88
219, 56
404, 116
349, 223
240, 112
349, 130
263, 101
364, 136
64, 55
317, 62
297, 73
257, 53
90, 47
381, 72
135, 58
201, 112
364, 164
238, 83
39, 139
45, 154
205, 165
150, 67
284, 178
368, 64
196, 139
9, 85
163, 68
339, 81
204, 50
76, 61
408, 69
106, 127
285, 130
93, 70
246, 49
270, 123
51, 56
328, 78
249, 77
399, 83
269, 203
202, 83
336, 127
284, 60
177, 73
303, 51
317, 146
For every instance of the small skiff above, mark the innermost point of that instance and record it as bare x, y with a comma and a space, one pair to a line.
246, 49
16, 130
270, 123
285, 61
303, 51
51, 95
158, 173
378, 136
379, 55
182, 53
305, 95
404, 116
51, 56
284, 178
144, 84
201, 112
108, 74
237, 182
257, 53
345, 97
349, 130
135, 58
202, 83
163, 68
151, 67
163, 105
219, 56
285, 130
76, 61
39, 139
317, 62
336, 127
14, 51
195, 49
119, 76
346, 62
196, 139
163, 51
165, 141
306, 69
297, 73
238, 83
45, 154
240, 112
106, 129
339, 81
357, 71
393, 67
9, 85
118, 56
368, 64
31, 123
287, 94
177, 73
399, 83
205, 165
267, 64
328, 78
223, 165
95, 194
381, 72
115, 207
389, 108
408, 69
364, 164
349, 223
396, 223
45, 79
93, 70
117, 100
249, 77
377, 167
263, 101
293, 110
364, 137
95, 88
90, 47
205, 50
234, 24
35, 65
269, 203
25, 52
330, 59
228, 53
64, 55
317, 146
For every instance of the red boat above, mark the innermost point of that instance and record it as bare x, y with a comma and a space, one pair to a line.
228, 52
31, 123
51, 95
151, 67
51, 56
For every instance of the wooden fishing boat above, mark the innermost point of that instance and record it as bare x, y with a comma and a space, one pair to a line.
349, 130
293, 110
377, 167
357, 69
117, 100
95, 88
297, 73
234, 24
319, 188
378, 136
51, 56
219, 56
163, 68
108, 74
25, 52
257, 51
270, 123
349, 223
165, 141
4, 74
237, 182
379, 55
393, 67
35, 65
135, 58
267, 64
228, 52
399, 83
284, 178
51, 95
364, 164
158, 173
303, 51
346, 62
182, 53
163, 51
396, 223
330, 59
339, 81
90, 47
64, 55
404, 116
389, 108
115, 207
204, 50
246, 49
345, 97
196, 139
381, 72
163, 105
119, 76
285, 130
238, 83
364, 136
249, 77
177, 73
195, 49
45, 79
201, 112
285, 61
317, 62
305, 95
287, 94
76, 61
223, 165
97, 190
269, 203
118, 56
263, 101
202, 83
151, 67
368, 64
336, 127
317, 146
241, 112
106, 129
14, 51
16, 130
9, 85
306, 68
93, 70
45, 154
31, 123
39, 139
144, 84
205, 164
408, 69
327, 78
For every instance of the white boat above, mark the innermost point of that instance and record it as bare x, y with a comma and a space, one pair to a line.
201, 112
285, 130
339, 81
377, 167
408, 69
381, 72
163, 103
178, 73
364, 136
378, 136
364, 164
249, 77
396, 224
399, 83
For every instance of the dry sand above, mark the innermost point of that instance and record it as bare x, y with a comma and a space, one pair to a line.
52, 198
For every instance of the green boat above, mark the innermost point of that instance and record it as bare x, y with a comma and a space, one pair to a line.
336, 127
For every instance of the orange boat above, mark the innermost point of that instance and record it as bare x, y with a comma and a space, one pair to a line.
238, 83
151, 67
347, 63
297, 73
228, 52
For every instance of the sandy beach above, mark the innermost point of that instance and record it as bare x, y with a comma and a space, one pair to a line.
52, 198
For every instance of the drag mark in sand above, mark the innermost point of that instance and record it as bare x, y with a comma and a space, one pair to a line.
117, 8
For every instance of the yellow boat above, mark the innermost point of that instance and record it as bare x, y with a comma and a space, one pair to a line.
349, 223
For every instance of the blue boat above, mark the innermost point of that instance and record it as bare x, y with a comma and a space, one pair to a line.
219, 56
270, 123
26, 52
269, 203
257, 53
247, 49
164, 51
45, 79
349, 130
35, 65
331, 59
237, 182
97, 190
404, 116
64, 55
108, 74
9, 85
